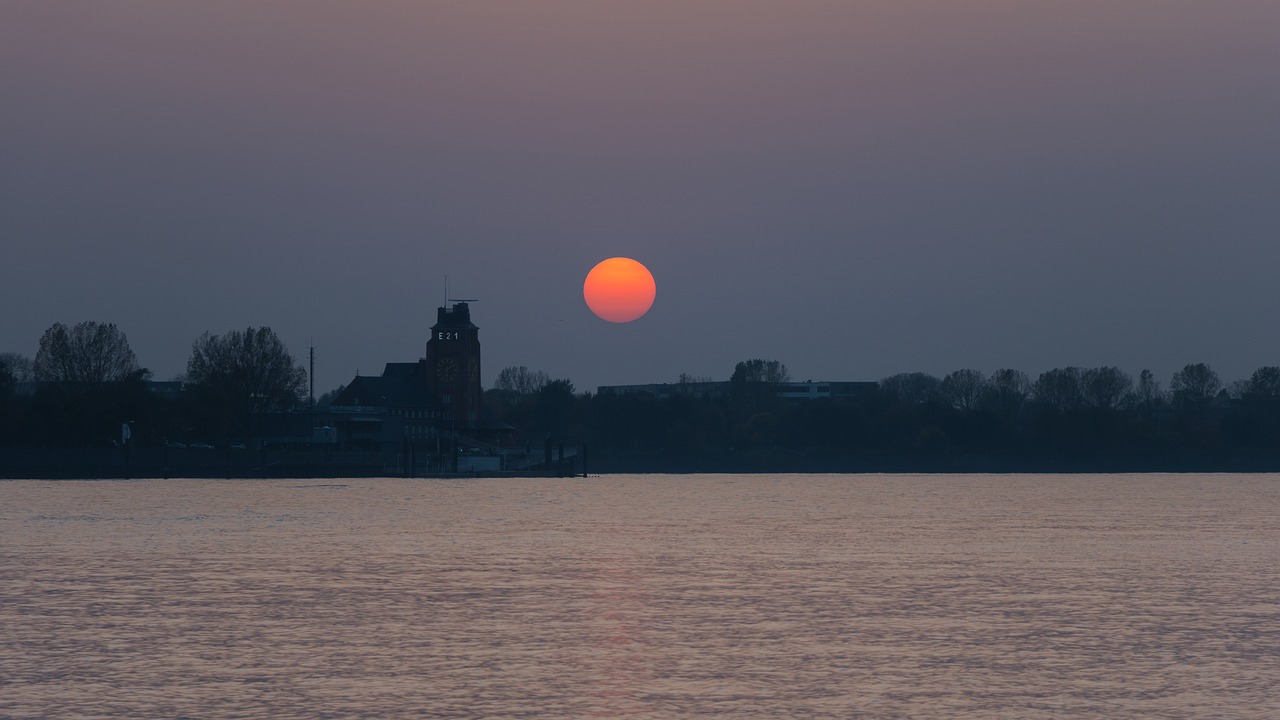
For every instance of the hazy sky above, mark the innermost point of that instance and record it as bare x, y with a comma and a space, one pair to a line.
853, 188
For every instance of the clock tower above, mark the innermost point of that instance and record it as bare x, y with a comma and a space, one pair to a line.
453, 365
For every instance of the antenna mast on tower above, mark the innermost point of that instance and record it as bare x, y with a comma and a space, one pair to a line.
448, 299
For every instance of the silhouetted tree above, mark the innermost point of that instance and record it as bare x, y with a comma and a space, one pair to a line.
1059, 388
686, 379
752, 386
555, 402
1238, 389
915, 388
1007, 390
1257, 423
1105, 387
242, 374
963, 389
1148, 395
89, 353
760, 371
89, 383
1265, 382
1194, 385
520, 380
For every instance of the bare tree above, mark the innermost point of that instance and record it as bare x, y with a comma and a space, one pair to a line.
520, 380
963, 389
246, 373
1194, 384
687, 379
1265, 382
1105, 387
1148, 393
914, 388
760, 371
89, 353
1059, 387
1007, 390
1239, 389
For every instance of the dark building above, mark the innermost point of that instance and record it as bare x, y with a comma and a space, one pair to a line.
432, 405
453, 365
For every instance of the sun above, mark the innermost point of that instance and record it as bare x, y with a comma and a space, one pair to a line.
619, 290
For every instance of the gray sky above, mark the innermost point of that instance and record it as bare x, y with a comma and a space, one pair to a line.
853, 188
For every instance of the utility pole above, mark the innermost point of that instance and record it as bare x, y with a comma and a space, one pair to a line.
311, 401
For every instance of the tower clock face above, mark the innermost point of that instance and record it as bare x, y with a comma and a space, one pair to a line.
447, 370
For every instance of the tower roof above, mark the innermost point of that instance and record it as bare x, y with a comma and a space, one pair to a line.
456, 318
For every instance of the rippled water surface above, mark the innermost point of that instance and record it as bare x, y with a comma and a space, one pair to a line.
793, 596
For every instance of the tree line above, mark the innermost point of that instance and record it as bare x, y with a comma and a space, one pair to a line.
1065, 419
87, 383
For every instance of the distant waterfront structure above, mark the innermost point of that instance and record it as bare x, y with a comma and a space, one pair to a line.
429, 406
453, 365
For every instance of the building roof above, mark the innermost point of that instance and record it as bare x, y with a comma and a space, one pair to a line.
401, 370
398, 390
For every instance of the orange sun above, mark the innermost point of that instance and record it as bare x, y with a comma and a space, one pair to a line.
619, 290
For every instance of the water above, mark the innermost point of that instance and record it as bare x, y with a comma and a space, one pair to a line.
789, 596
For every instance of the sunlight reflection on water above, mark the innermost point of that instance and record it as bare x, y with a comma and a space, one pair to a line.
643, 597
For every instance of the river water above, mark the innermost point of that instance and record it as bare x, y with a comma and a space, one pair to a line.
643, 596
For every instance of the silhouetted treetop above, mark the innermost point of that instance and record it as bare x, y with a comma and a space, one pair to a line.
915, 388
251, 369
686, 378
1194, 384
1148, 394
90, 352
1059, 388
1265, 382
963, 389
1105, 387
1007, 390
760, 371
520, 380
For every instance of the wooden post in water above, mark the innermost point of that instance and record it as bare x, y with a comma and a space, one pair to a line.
583, 452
